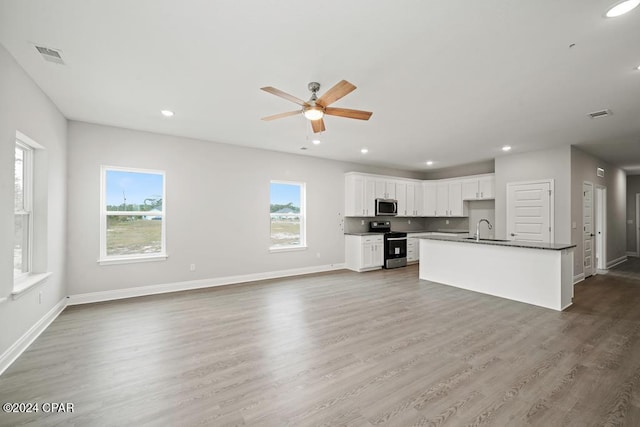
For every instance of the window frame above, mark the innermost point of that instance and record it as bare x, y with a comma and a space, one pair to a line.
27, 205
104, 258
303, 217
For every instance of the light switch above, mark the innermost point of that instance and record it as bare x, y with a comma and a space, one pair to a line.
629, 221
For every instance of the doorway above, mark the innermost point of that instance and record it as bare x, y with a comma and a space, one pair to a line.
601, 229
637, 224
587, 229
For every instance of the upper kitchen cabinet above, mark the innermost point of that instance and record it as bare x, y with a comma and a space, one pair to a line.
479, 187
429, 193
409, 196
359, 195
384, 188
449, 198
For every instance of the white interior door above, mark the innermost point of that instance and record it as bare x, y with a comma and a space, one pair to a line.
529, 211
587, 228
600, 204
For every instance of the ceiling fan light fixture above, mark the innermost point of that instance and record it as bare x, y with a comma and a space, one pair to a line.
313, 113
622, 7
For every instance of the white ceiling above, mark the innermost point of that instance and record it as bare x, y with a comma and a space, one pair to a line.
451, 81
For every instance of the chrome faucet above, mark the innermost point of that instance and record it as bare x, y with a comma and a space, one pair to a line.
478, 227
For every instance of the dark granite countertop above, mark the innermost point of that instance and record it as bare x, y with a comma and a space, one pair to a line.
511, 243
368, 233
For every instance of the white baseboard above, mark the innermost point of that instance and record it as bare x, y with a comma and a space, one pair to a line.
600, 271
194, 284
616, 261
578, 278
634, 254
18, 347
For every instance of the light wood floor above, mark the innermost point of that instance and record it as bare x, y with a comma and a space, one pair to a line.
342, 348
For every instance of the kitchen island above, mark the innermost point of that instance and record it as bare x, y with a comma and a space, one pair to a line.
535, 273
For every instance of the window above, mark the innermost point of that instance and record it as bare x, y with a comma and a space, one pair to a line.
132, 226
23, 214
287, 203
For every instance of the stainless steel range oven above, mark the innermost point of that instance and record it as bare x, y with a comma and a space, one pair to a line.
395, 249
395, 244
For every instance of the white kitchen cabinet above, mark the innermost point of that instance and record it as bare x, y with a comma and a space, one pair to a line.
384, 188
414, 199
401, 197
479, 188
409, 197
449, 198
487, 186
364, 253
359, 196
429, 201
413, 248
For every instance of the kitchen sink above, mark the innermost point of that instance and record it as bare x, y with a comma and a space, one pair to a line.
486, 240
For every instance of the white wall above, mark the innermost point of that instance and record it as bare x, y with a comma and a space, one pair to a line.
583, 168
633, 188
217, 207
553, 164
482, 209
477, 168
24, 108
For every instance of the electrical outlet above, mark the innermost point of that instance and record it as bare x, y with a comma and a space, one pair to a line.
408, 221
362, 223
192, 267
446, 221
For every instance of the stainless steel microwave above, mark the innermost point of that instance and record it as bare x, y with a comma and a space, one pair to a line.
386, 207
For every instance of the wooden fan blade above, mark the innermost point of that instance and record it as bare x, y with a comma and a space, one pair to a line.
341, 89
281, 115
281, 94
317, 125
351, 114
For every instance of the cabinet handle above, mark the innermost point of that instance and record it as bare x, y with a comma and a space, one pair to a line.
481, 195
476, 195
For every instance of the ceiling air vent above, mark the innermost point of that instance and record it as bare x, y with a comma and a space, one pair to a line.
601, 113
51, 55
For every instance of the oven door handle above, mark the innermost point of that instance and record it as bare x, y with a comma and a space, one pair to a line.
396, 238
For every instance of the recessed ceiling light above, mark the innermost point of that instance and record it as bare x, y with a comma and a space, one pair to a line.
506, 148
167, 113
622, 8
364, 151
638, 68
429, 163
315, 141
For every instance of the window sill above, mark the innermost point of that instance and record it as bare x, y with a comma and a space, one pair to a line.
131, 260
24, 284
287, 249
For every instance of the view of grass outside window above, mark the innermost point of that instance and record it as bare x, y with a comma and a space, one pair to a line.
287, 211
22, 210
133, 213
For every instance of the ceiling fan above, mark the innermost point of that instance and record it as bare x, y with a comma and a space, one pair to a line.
316, 108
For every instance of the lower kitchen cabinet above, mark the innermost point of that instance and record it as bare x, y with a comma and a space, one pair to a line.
364, 253
413, 248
